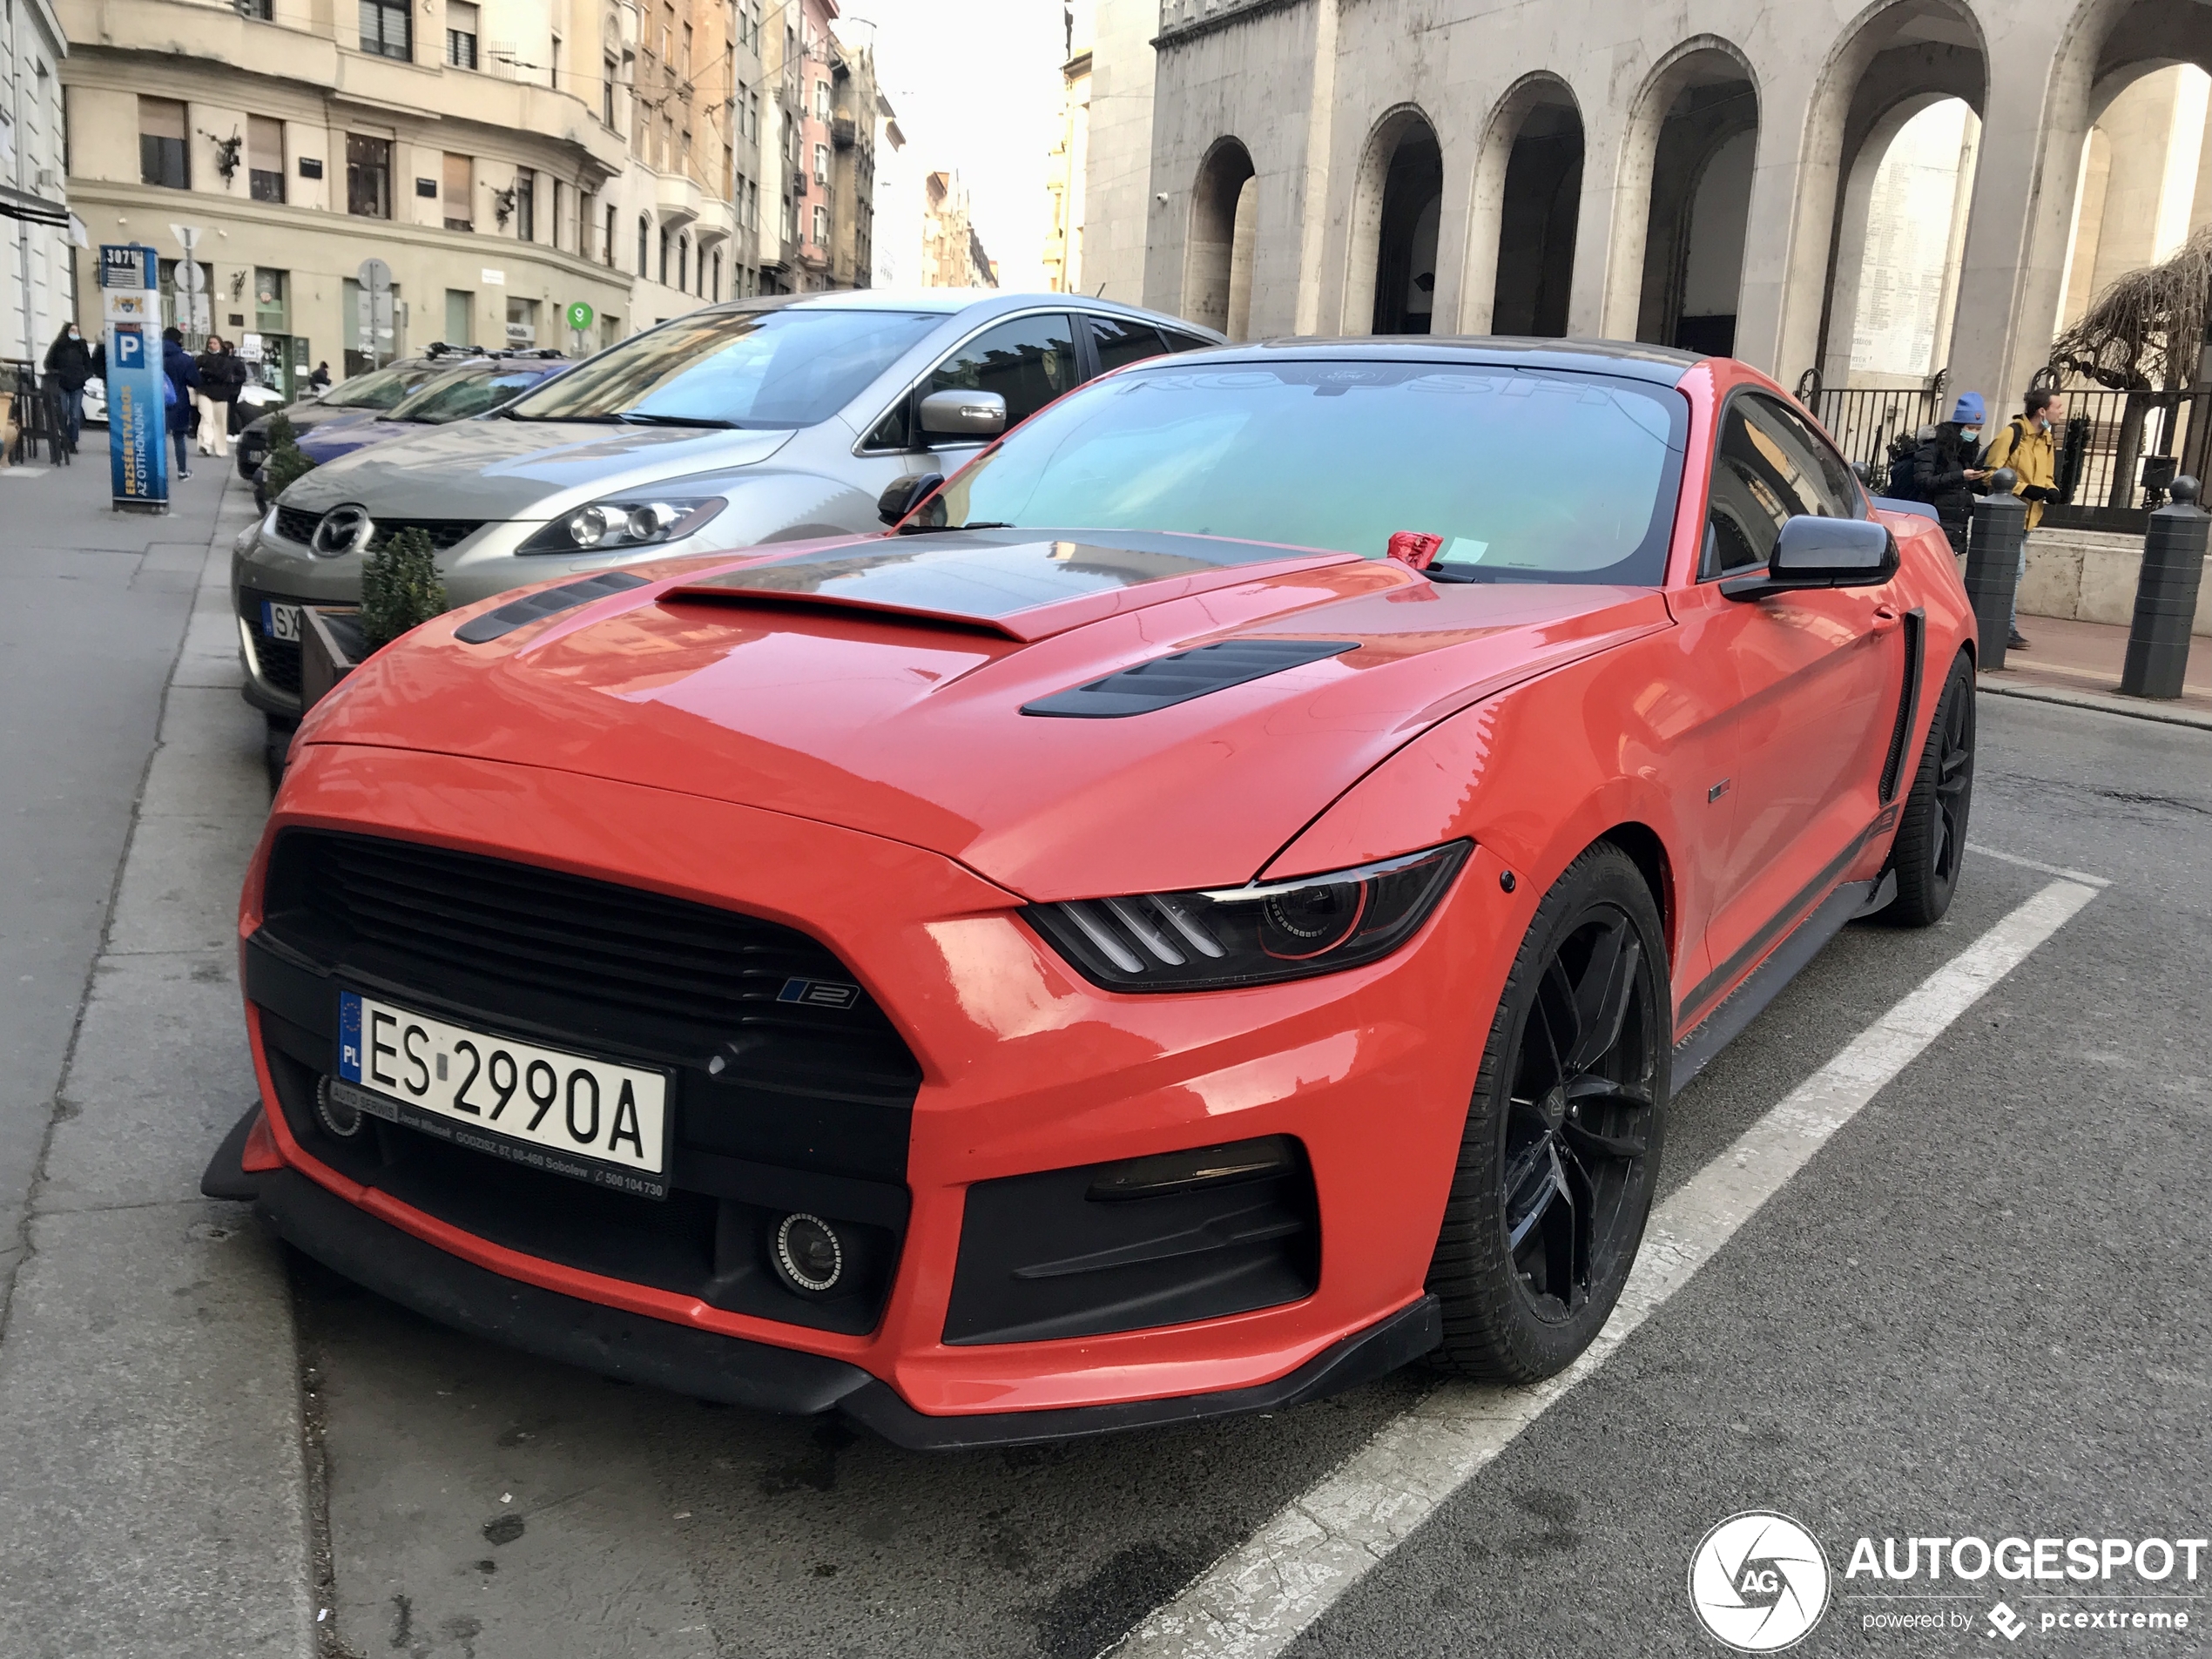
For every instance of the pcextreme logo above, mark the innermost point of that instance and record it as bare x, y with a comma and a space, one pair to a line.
1759, 1582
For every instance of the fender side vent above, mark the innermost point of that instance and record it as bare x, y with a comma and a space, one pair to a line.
1908, 702
522, 612
1166, 681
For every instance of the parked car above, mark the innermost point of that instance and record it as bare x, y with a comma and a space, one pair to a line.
362, 398
255, 399
765, 420
95, 402
476, 386
1210, 911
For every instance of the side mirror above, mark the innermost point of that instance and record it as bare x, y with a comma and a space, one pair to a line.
967, 414
1813, 553
901, 496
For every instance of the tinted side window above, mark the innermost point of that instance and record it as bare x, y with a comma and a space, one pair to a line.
1186, 342
1028, 362
1769, 467
1120, 341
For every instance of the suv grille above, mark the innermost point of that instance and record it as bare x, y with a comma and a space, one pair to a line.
297, 524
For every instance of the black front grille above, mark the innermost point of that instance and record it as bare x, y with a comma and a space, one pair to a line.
297, 524
280, 658
793, 1091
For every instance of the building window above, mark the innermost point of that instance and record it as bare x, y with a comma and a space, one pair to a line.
610, 250
560, 212
821, 164
821, 101
664, 256
821, 225
607, 92
685, 64
461, 34
271, 316
718, 279
257, 10
461, 193
164, 157
460, 317
683, 262
369, 176
791, 222
753, 204
265, 158
387, 28
525, 204
521, 322
642, 223
752, 116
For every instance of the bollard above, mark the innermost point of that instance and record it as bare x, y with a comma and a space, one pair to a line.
2158, 638
1993, 538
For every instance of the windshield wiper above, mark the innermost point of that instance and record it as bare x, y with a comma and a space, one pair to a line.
973, 525
674, 420
597, 420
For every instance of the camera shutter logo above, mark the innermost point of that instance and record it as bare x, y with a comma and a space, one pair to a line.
343, 530
1759, 1582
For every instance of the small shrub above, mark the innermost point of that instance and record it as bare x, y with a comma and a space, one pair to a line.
287, 462
400, 588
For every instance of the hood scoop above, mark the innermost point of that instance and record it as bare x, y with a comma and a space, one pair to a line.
1013, 584
1166, 681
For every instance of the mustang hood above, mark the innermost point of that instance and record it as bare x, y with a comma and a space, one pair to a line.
498, 468
915, 687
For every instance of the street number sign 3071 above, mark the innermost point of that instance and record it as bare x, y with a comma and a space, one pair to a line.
592, 1119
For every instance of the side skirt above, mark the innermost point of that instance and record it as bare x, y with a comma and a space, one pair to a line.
1744, 1004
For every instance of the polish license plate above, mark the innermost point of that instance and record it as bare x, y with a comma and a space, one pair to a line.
280, 622
585, 1118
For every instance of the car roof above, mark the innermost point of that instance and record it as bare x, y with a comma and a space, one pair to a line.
1661, 365
951, 302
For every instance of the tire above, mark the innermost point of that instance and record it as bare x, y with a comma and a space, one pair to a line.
1550, 1195
1931, 831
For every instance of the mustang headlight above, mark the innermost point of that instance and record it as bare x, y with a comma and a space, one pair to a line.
617, 525
1251, 935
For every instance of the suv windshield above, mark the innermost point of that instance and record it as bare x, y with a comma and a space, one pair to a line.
470, 391
781, 368
1526, 475
381, 387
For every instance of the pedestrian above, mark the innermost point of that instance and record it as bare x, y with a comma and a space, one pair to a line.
222, 377
69, 365
181, 376
319, 382
1948, 466
2025, 444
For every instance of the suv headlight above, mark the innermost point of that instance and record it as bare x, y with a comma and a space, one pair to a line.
1213, 939
614, 526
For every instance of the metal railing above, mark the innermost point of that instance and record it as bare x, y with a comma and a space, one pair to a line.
1863, 421
2117, 453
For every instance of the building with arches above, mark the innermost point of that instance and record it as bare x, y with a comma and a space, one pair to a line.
1702, 175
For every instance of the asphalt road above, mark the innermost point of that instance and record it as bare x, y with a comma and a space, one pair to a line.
1980, 1308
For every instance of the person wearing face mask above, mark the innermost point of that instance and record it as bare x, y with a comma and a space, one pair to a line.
1948, 471
2026, 444
69, 365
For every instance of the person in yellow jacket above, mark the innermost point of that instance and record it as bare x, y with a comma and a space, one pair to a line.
2026, 444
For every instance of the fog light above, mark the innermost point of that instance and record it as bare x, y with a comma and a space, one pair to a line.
808, 1256
337, 1116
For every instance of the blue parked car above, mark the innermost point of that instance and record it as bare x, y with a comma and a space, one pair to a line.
476, 387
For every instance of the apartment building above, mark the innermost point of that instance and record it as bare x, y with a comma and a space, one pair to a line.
857, 112
470, 145
952, 252
799, 61
35, 220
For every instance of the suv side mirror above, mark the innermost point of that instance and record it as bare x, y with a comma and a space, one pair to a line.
1812, 552
968, 414
901, 496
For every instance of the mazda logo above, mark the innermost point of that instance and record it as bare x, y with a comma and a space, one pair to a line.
343, 530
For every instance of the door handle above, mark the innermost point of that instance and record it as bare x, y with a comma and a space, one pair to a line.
1885, 617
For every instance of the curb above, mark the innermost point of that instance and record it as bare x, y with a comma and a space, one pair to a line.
2133, 708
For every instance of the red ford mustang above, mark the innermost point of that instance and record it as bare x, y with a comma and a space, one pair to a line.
1209, 910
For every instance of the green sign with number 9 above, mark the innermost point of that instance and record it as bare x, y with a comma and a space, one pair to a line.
579, 316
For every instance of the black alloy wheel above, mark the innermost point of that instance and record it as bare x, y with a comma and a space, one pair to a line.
1931, 841
1560, 1152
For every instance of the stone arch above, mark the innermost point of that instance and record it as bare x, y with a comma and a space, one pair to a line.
1217, 257
1699, 96
1397, 200
1522, 207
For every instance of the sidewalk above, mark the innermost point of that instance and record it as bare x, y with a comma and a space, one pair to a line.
2079, 663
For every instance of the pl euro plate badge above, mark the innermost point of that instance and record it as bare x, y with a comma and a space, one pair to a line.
585, 1118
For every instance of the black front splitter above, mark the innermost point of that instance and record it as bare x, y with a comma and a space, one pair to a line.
706, 1365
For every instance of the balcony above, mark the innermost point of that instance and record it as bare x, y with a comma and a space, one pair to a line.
843, 132
677, 198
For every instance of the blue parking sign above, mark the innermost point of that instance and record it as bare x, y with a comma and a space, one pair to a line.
138, 414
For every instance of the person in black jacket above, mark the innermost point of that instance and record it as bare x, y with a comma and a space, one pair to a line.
222, 377
69, 365
183, 375
1946, 472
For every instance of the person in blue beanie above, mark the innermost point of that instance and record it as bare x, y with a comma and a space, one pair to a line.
1948, 471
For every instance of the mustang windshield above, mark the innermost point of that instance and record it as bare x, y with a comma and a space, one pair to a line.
783, 368
1533, 475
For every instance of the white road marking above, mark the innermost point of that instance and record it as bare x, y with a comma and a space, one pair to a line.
1255, 1601
2082, 876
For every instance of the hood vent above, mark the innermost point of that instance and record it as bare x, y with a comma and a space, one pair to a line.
521, 613
1166, 681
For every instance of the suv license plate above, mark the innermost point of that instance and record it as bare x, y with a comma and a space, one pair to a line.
585, 1118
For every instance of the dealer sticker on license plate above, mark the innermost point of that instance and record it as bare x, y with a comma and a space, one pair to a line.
280, 622
586, 1118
